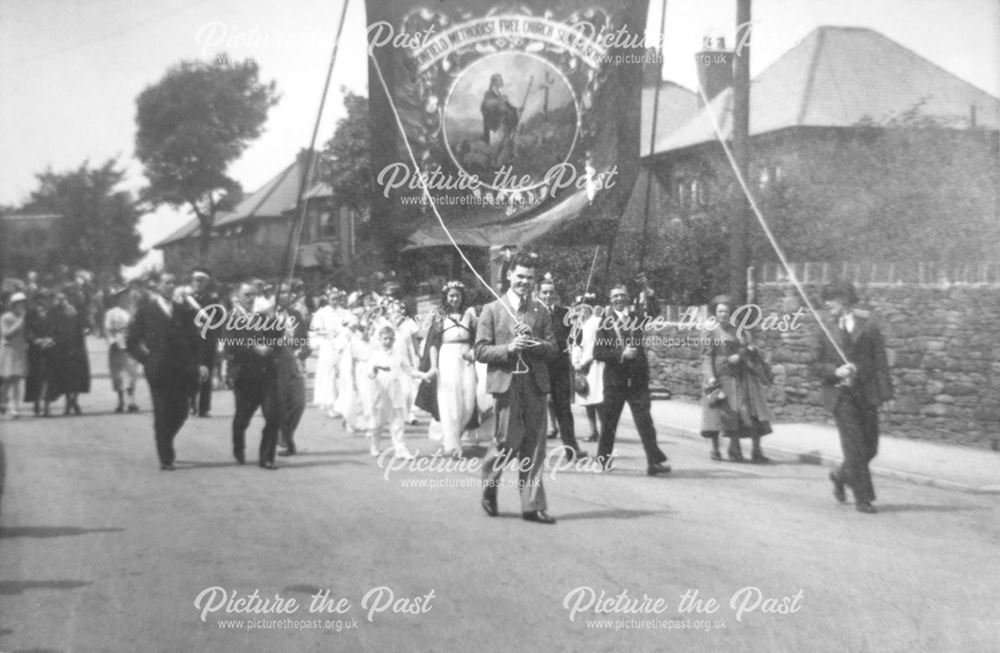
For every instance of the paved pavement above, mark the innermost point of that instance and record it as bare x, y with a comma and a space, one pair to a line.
929, 463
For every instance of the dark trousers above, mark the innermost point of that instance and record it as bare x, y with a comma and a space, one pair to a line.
611, 411
562, 399
170, 410
251, 395
857, 423
291, 398
201, 397
519, 434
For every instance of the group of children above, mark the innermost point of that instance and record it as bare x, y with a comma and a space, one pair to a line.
367, 367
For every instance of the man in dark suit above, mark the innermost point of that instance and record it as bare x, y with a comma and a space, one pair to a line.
560, 369
253, 364
514, 338
853, 390
202, 296
292, 354
163, 337
619, 344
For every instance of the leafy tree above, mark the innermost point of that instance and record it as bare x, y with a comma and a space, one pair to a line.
192, 125
346, 159
99, 223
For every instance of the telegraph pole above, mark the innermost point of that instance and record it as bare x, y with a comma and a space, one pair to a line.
739, 228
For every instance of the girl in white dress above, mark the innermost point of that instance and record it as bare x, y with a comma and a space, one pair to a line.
388, 367
322, 334
453, 365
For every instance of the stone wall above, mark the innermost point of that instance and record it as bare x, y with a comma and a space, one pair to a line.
943, 348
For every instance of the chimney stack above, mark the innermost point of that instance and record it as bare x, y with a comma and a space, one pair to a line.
715, 67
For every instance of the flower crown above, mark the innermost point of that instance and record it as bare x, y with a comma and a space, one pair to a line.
453, 285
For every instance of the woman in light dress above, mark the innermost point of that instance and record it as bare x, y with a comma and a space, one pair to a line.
452, 365
13, 352
582, 357
324, 332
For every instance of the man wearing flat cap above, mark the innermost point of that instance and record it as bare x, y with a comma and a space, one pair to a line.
855, 381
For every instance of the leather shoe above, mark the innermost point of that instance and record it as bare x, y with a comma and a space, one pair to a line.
240, 457
489, 503
657, 468
538, 516
759, 458
553, 435
593, 438
715, 455
167, 467
838, 488
866, 508
574, 454
271, 465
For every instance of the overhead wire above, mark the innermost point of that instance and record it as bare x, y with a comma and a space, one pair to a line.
763, 223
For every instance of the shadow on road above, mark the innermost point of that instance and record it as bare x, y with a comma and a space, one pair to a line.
914, 507
40, 532
12, 587
612, 514
332, 452
192, 464
325, 463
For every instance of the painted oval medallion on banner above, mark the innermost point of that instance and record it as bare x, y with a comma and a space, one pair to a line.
509, 118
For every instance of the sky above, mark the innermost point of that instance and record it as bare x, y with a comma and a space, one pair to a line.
70, 70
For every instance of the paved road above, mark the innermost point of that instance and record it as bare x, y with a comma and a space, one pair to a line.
99, 550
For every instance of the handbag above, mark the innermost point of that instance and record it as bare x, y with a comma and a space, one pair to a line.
716, 397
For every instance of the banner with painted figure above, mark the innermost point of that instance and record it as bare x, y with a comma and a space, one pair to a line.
519, 117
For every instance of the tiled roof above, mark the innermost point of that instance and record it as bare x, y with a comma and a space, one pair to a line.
190, 228
675, 106
276, 197
836, 77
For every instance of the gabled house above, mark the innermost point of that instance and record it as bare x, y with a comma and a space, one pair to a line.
825, 89
260, 225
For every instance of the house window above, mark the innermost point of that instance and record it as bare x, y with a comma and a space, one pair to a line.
683, 195
769, 174
692, 193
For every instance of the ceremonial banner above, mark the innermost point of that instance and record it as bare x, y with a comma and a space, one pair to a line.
519, 117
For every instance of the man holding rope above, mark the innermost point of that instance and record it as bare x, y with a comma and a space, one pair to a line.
853, 390
514, 338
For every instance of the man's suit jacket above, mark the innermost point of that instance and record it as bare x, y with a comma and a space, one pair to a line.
495, 332
864, 347
248, 366
169, 348
208, 299
560, 366
294, 348
608, 347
